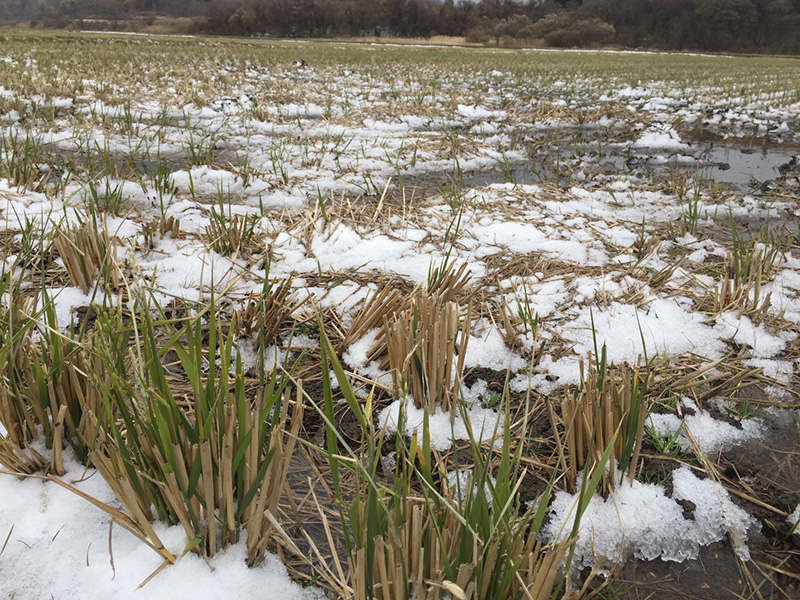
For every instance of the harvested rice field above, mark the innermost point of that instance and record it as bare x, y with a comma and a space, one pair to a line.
336, 320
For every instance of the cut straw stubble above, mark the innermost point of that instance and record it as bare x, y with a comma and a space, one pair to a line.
427, 347
607, 410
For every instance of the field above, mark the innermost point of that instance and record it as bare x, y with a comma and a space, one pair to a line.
366, 320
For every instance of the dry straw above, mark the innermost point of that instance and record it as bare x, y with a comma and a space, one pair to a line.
88, 252
427, 345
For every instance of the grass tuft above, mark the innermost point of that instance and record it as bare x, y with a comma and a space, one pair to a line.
608, 409
20, 159
427, 345
418, 536
88, 253
213, 459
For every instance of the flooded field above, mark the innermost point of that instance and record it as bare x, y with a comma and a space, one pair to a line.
546, 301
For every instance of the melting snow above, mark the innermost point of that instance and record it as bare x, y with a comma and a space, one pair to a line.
640, 520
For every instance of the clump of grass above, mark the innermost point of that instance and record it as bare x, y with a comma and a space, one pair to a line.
64, 379
200, 149
452, 190
526, 317
109, 199
88, 252
213, 459
232, 235
748, 262
691, 205
741, 408
16, 416
427, 345
20, 158
730, 294
475, 537
46, 388
446, 279
264, 314
160, 228
645, 244
607, 410
667, 443
430, 549
35, 242
388, 305
747, 266
15, 318
163, 184
381, 305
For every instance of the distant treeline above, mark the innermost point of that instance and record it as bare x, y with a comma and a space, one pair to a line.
716, 25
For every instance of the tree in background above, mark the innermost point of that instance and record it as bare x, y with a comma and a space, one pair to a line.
719, 25
727, 24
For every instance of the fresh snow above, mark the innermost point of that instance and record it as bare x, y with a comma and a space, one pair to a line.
483, 424
62, 547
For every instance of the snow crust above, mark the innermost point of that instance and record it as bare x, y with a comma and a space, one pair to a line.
640, 520
712, 435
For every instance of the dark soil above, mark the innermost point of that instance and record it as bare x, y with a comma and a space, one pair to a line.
715, 575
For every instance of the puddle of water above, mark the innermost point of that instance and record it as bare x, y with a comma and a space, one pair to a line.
597, 154
119, 162
739, 167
